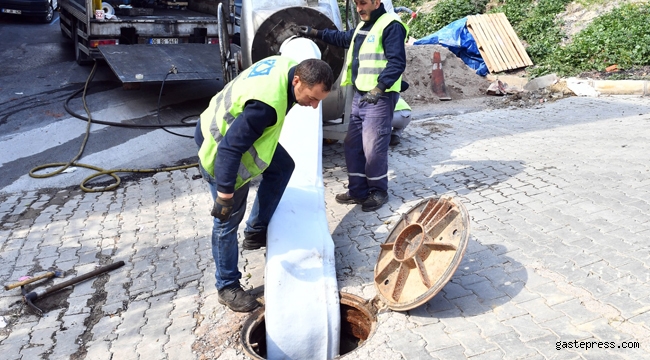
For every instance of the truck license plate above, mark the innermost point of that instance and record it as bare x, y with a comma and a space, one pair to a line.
9, 11
159, 41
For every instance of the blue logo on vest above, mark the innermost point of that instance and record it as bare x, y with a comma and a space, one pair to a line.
370, 38
262, 68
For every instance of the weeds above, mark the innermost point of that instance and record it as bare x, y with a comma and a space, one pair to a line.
620, 37
536, 24
443, 13
515, 11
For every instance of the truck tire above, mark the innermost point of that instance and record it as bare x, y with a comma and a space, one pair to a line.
227, 60
81, 57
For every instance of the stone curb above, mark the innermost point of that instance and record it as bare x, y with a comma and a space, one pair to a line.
621, 87
601, 87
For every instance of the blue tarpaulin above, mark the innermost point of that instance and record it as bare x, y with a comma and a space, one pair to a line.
459, 41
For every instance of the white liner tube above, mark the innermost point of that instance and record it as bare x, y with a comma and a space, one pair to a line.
302, 312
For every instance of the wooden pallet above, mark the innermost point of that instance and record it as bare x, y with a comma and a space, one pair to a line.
497, 42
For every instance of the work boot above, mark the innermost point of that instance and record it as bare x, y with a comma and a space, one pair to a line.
375, 200
345, 198
394, 140
234, 297
254, 241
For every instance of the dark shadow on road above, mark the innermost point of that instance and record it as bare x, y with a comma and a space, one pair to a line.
424, 166
486, 279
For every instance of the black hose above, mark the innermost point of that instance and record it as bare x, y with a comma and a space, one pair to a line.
118, 124
99, 171
172, 71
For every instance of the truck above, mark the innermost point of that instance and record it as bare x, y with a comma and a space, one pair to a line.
145, 40
266, 24
148, 40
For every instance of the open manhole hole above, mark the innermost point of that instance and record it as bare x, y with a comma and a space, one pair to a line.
358, 324
417, 259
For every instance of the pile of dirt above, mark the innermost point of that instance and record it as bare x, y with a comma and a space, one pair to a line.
464, 86
462, 81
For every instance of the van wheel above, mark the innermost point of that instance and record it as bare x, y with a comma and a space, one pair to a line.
50, 13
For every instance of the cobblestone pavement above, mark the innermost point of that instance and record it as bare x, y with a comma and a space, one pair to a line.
559, 200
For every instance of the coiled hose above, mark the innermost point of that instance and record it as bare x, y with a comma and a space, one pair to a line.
99, 171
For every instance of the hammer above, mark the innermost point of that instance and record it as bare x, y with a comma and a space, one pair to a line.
47, 275
30, 297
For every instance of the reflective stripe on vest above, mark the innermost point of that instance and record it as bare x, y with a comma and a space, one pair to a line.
265, 81
372, 59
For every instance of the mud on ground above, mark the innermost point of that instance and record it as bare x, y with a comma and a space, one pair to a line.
468, 91
215, 337
635, 73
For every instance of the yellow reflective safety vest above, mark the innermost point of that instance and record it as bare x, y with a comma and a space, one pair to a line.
372, 59
402, 105
267, 81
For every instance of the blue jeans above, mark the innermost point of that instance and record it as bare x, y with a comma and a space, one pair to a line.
366, 144
225, 249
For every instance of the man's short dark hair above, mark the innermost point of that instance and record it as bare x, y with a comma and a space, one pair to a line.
315, 71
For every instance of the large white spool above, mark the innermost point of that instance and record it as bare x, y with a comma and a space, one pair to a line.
108, 9
301, 293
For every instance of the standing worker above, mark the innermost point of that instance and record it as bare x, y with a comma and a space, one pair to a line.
238, 138
376, 60
401, 119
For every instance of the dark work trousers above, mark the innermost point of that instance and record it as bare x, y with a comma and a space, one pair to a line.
224, 233
366, 144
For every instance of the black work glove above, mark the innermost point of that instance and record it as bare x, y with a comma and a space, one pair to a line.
307, 31
372, 96
222, 208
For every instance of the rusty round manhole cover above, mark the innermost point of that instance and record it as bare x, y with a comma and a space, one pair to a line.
422, 252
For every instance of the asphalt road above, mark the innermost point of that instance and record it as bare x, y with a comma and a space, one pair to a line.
39, 75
